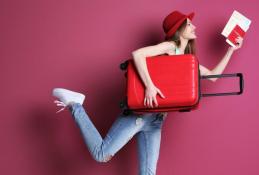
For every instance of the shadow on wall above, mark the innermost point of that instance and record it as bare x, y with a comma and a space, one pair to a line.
217, 43
150, 36
42, 132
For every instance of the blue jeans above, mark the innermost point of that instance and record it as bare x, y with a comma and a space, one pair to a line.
147, 127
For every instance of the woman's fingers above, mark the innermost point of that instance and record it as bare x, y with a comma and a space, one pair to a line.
155, 101
149, 102
239, 40
150, 98
160, 93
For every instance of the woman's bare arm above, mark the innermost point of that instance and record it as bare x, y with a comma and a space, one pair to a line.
139, 57
219, 68
222, 64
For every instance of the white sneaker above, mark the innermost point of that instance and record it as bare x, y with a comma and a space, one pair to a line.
66, 97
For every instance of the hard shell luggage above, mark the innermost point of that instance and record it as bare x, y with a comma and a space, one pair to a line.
177, 76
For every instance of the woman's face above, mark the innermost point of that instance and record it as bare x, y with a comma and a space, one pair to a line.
189, 31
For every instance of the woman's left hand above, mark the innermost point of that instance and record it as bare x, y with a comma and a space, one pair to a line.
239, 41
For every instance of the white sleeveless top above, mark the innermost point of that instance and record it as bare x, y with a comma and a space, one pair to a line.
177, 51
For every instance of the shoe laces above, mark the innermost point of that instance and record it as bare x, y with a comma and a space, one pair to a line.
60, 103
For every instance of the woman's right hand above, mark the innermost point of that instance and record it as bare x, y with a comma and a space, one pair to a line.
150, 96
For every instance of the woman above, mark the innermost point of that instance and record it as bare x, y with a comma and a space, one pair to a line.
180, 36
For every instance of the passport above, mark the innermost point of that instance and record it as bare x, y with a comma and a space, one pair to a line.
236, 26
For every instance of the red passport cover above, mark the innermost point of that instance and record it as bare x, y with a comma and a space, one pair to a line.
237, 31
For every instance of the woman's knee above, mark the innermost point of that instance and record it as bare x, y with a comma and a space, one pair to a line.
103, 159
101, 156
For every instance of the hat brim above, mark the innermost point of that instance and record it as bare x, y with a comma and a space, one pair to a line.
178, 24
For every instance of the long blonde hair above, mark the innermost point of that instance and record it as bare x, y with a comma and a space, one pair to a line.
190, 48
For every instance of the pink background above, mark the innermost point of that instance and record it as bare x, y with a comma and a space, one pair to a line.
79, 45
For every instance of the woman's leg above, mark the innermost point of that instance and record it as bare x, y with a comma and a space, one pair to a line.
122, 130
149, 146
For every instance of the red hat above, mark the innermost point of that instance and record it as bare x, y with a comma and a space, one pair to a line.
173, 21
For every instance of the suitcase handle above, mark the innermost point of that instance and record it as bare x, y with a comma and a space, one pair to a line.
241, 84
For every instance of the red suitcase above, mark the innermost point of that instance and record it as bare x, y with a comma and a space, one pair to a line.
177, 76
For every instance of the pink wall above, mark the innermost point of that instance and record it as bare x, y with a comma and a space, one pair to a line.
78, 45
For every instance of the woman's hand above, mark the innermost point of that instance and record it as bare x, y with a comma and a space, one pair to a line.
150, 96
239, 41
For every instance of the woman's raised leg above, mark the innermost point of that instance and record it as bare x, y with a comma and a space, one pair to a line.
122, 130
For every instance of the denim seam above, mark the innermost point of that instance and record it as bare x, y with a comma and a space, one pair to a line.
110, 138
145, 170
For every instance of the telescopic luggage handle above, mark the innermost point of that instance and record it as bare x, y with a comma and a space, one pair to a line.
241, 84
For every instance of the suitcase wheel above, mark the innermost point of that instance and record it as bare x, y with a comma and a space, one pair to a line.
123, 103
127, 112
123, 66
